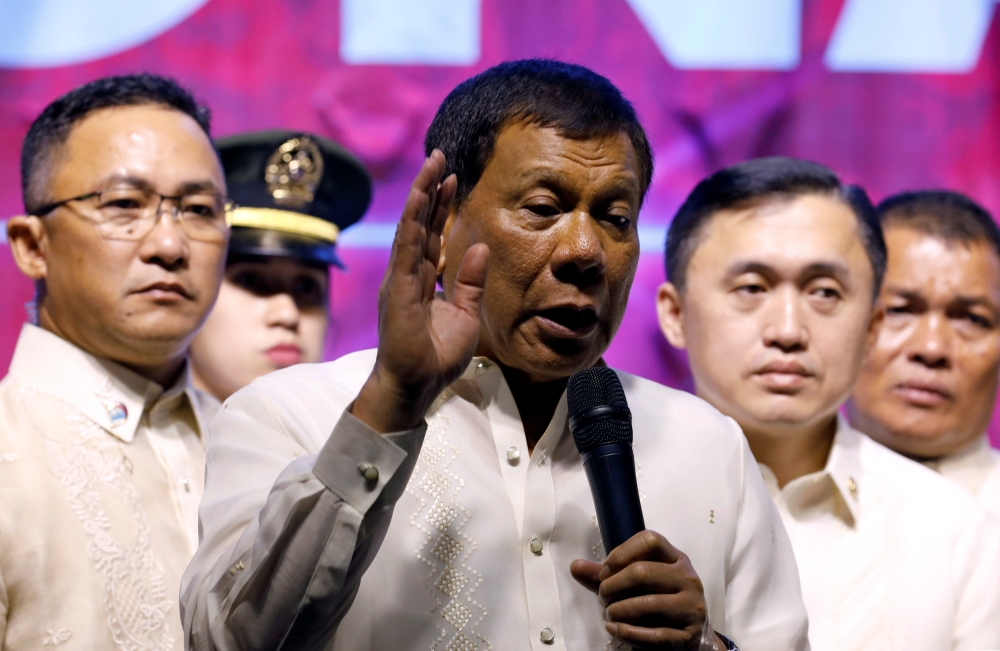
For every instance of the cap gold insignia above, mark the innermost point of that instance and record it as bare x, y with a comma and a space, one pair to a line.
294, 171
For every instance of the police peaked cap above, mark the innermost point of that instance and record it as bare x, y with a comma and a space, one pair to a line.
294, 192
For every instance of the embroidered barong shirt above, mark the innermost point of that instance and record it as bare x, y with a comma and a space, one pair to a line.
101, 473
451, 536
976, 468
891, 555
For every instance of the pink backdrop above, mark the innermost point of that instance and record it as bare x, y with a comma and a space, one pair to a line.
279, 64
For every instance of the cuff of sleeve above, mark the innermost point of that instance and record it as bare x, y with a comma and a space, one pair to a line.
354, 447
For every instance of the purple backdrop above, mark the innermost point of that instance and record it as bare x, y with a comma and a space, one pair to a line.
282, 64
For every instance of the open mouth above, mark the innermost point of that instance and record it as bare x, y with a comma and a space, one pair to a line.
568, 321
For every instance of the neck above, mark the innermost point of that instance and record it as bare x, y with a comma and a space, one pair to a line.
792, 452
536, 402
162, 371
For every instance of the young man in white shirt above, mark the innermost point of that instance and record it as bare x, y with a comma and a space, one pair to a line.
101, 456
456, 428
928, 386
774, 267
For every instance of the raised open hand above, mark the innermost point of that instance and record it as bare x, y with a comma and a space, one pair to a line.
425, 342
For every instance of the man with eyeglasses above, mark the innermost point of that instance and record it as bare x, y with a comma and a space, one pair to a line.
101, 454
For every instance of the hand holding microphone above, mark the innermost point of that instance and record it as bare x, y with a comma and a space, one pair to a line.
654, 597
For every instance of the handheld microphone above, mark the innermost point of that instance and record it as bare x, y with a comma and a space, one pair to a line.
601, 424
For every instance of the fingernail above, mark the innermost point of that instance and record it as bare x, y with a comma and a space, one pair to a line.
612, 629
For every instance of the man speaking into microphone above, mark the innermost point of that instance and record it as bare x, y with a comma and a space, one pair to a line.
429, 495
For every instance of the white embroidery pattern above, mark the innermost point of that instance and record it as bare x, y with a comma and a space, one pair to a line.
54, 638
446, 543
89, 465
8, 457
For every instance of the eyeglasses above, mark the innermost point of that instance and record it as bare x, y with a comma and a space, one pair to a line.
130, 213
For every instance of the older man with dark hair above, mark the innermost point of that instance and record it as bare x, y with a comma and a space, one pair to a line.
101, 457
428, 494
774, 267
928, 386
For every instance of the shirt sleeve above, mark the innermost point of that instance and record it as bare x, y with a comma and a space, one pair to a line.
976, 563
764, 607
286, 536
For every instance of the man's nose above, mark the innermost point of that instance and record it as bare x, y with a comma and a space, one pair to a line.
282, 312
930, 344
784, 326
579, 257
166, 245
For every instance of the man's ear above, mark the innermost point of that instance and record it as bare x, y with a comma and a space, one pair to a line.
668, 311
29, 245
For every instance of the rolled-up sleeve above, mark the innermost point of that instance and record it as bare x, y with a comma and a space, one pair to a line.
287, 530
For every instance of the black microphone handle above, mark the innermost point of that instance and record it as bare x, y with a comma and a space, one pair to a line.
611, 473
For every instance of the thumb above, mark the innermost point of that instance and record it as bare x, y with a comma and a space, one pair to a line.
586, 573
470, 282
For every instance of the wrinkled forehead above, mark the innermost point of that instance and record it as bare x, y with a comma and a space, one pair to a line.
158, 144
928, 263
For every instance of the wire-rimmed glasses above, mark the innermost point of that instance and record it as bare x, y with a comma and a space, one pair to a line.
131, 213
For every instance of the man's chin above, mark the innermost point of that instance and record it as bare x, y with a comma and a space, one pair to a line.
549, 365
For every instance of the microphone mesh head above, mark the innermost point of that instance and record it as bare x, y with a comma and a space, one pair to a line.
588, 390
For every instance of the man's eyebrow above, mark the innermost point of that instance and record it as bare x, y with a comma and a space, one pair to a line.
124, 179
836, 270
552, 179
963, 300
140, 183
191, 187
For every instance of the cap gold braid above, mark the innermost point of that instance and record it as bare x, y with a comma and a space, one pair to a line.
285, 220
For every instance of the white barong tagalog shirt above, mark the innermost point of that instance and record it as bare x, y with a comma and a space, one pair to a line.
891, 555
976, 468
474, 537
101, 473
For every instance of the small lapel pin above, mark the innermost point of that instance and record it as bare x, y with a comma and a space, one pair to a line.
118, 414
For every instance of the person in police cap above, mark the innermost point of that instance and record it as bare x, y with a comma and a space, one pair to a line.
295, 193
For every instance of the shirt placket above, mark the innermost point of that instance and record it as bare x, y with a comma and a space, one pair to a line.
528, 478
166, 435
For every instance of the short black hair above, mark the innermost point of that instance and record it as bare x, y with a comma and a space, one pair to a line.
53, 126
763, 179
574, 100
946, 215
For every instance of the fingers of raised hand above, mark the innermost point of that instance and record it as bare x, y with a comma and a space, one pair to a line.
645, 545
470, 281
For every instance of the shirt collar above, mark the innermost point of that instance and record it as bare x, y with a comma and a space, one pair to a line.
975, 453
479, 375
841, 476
111, 395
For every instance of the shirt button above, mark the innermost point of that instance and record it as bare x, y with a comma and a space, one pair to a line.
535, 545
547, 635
513, 455
368, 471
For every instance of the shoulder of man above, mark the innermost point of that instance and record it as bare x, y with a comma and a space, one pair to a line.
661, 411
305, 400
937, 498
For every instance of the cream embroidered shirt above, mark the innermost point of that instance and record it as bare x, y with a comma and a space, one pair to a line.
976, 468
101, 472
891, 555
474, 536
